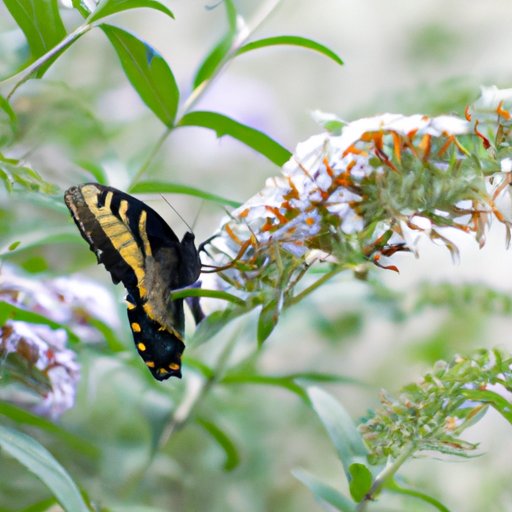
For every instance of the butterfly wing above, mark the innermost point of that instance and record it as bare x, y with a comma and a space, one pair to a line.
140, 250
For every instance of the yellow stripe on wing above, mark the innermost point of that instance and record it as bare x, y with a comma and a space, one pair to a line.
117, 231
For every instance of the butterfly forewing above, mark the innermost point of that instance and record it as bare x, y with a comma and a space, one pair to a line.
140, 250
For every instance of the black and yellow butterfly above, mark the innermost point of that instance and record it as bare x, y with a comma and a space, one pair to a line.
141, 251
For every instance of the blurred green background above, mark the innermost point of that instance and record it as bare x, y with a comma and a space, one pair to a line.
400, 56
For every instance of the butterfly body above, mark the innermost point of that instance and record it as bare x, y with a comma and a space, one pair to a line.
140, 250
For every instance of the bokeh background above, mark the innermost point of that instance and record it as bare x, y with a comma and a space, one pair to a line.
400, 56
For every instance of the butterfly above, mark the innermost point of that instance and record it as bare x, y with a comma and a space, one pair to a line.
140, 250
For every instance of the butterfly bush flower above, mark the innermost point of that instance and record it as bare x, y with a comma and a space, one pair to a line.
375, 188
38, 371
432, 413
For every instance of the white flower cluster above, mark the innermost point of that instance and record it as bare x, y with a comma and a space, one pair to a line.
318, 191
36, 354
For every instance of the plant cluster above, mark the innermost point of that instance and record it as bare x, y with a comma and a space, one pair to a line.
346, 200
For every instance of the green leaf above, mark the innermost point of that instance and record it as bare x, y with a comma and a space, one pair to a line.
394, 487
8, 122
224, 125
95, 170
13, 246
162, 187
361, 481
41, 506
500, 403
21, 176
27, 418
218, 55
110, 336
340, 427
201, 292
304, 42
212, 62
28, 452
323, 492
41, 23
13, 312
267, 320
108, 7
231, 14
82, 7
148, 73
231, 451
214, 323
38, 239
283, 381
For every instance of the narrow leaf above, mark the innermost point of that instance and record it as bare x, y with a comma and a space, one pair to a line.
8, 122
41, 462
38, 239
340, 427
267, 320
108, 7
406, 491
361, 481
213, 61
27, 418
224, 441
304, 42
324, 492
213, 294
486, 396
13, 312
162, 187
148, 73
231, 14
223, 125
41, 23
214, 323
95, 170
283, 381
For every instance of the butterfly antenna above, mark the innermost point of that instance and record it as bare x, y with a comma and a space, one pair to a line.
196, 217
177, 213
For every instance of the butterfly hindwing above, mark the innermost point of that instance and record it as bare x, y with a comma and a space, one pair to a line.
160, 349
140, 250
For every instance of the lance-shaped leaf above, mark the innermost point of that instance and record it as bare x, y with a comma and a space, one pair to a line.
25, 417
108, 7
41, 23
162, 187
340, 427
8, 122
251, 137
41, 462
303, 42
148, 73
10, 311
269, 316
228, 446
325, 493
214, 59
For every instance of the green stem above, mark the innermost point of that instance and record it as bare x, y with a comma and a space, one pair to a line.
386, 474
147, 162
315, 285
199, 91
190, 402
26, 73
